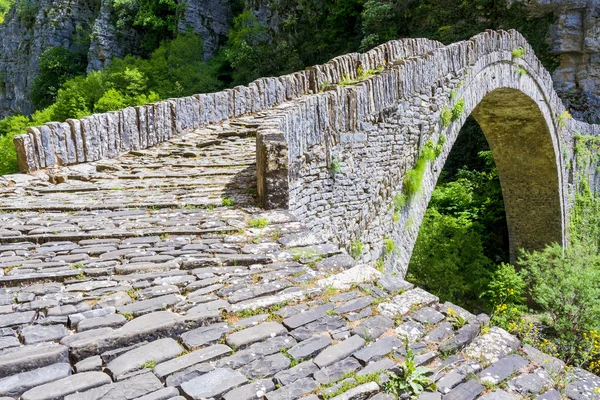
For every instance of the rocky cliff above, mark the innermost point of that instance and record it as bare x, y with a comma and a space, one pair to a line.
84, 25
575, 38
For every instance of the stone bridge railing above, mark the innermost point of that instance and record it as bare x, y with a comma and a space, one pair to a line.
107, 135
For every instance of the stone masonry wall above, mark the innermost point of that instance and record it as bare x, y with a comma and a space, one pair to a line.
107, 135
373, 132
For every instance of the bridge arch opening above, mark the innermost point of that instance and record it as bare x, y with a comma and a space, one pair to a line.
484, 214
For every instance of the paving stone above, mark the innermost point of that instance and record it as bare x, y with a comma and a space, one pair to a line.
148, 306
156, 291
15, 319
204, 335
31, 357
492, 346
162, 394
428, 316
582, 384
294, 390
189, 373
430, 396
336, 263
309, 348
327, 324
250, 321
439, 333
82, 336
403, 303
339, 351
394, 284
533, 383
306, 317
498, 395
299, 371
359, 392
385, 364
551, 394
9, 341
335, 371
251, 391
258, 290
551, 364
213, 384
354, 305
374, 327
451, 380
93, 363
128, 389
65, 386
256, 351
158, 351
465, 391
378, 349
117, 299
411, 331
195, 357
110, 321
75, 319
461, 339
16, 385
256, 333
266, 366
502, 369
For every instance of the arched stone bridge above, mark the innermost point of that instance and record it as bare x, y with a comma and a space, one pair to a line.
134, 262
335, 142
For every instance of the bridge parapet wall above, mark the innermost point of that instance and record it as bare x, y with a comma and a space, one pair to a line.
107, 135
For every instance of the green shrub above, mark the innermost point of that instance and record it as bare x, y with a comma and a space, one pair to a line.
356, 249
412, 379
388, 246
336, 167
446, 117
565, 285
518, 53
458, 109
57, 65
399, 202
258, 223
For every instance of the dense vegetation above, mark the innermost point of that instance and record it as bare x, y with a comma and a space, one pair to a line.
170, 62
552, 297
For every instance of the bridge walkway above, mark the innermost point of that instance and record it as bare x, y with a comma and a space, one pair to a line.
154, 276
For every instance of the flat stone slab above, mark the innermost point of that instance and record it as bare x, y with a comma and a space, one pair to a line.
195, 357
466, 391
503, 369
148, 306
255, 334
155, 352
15, 385
293, 391
305, 317
15, 319
374, 327
38, 333
403, 303
336, 370
32, 357
339, 351
204, 335
251, 391
379, 349
266, 366
213, 383
492, 346
71, 384
128, 389
299, 371
309, 347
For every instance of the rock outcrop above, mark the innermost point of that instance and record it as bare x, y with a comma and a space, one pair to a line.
82, 25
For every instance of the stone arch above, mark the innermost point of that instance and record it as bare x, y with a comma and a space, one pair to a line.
524, 136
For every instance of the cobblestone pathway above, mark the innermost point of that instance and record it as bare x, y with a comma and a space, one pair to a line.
153, 277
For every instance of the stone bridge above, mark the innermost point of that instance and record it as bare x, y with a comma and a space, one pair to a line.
135, 263
335, 142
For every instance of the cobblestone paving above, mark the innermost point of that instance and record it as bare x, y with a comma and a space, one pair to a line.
153, 276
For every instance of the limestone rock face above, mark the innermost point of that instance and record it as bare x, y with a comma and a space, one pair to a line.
575, 38
25, 35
